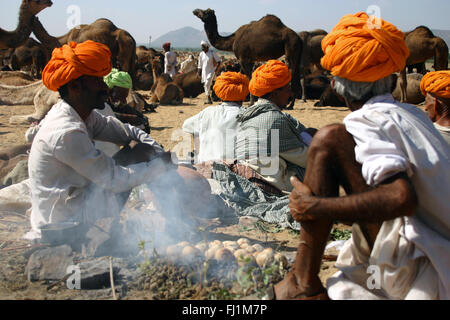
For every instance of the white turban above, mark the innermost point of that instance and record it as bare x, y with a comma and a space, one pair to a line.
204, 43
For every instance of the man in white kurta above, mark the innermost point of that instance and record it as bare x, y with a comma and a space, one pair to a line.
395, 169
170, 61
70, 179
215, 127
392, 137
208, 62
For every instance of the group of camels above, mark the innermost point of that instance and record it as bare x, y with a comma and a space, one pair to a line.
258, 41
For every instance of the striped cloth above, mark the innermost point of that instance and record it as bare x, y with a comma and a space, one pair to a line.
258, 124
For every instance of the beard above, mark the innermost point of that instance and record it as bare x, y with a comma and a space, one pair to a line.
102, 98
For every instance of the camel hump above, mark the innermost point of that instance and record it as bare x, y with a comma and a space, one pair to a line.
272, 19
424, 31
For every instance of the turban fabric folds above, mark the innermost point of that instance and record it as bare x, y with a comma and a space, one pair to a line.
437, 83
269, 77
74, 60
118, 78
358, 50
231, 86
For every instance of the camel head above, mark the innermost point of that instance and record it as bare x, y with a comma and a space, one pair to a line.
36, 6
205, 15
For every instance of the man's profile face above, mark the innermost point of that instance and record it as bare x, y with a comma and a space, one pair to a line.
118, 95
430, 107
94, 92
283, 96
205, 48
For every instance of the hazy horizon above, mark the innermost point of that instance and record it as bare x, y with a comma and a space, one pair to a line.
147, 19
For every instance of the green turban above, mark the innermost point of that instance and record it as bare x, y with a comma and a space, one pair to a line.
118, 78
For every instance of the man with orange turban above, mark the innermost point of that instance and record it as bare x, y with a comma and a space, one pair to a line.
435, 86
71, 180
394, 167
214, 128
269, 141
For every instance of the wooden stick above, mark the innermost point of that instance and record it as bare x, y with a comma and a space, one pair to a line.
111, 278
59, 281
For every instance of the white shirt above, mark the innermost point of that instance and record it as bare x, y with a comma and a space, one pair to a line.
393, 137
71, 180
205, 62
170, 63
107, 147
412, 253
445, 131
216, 128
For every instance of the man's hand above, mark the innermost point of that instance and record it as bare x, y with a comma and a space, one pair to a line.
199, 73
300, 201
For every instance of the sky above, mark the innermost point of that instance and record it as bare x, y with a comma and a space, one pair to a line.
149, 18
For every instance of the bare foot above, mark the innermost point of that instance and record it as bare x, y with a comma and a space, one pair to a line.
289, 289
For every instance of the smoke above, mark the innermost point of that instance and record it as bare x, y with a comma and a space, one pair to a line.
172, 209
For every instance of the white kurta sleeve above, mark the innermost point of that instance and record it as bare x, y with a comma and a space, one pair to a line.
378, 146
31, 132
113, 130
192, 124
76, 150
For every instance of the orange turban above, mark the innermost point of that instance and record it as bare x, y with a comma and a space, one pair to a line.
231, 86
437, 82
360, 51
75, 60
269, 77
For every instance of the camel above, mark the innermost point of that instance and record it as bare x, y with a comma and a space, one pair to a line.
311, 54
33, 94
15, 78
33, 54
28, 10
423, 45
413, 93
164, 90
190, 83
260, 40
43, 99
10, 157
119, 41
188, 65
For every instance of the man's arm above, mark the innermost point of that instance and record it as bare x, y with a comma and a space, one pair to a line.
76, 150
395, 197
113, 130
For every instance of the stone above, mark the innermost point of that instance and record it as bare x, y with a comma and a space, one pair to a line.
102, 239
49, 263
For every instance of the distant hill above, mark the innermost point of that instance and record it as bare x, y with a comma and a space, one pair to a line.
444, 34
186, 37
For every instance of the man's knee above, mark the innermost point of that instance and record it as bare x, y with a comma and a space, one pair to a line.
330, 137
135, 153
